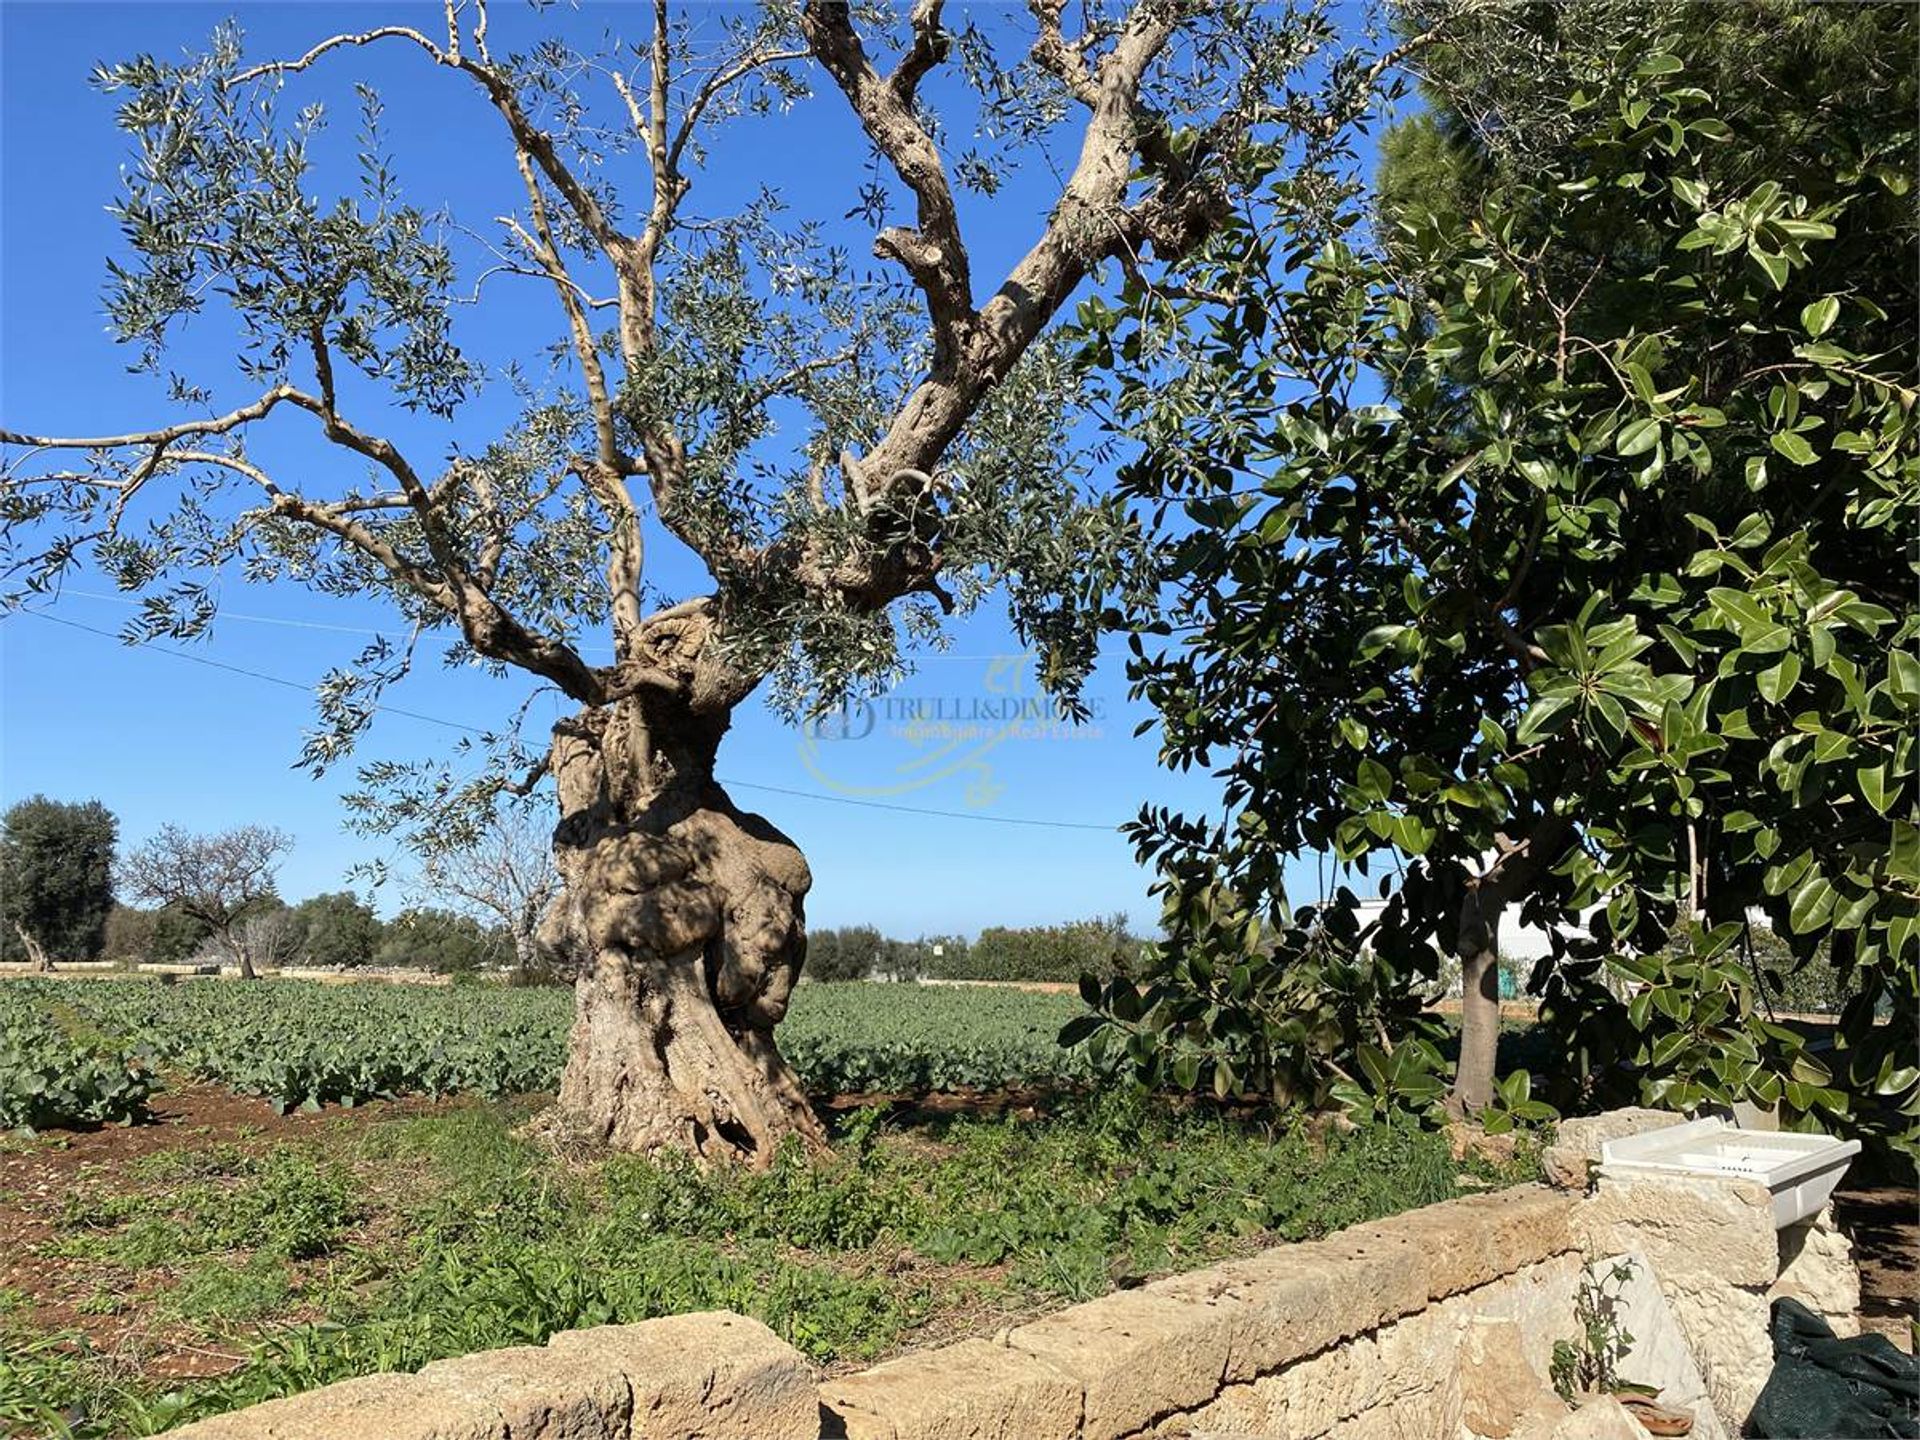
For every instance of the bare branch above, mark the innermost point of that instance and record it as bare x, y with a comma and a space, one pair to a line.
929, 48
335, 42
1065, 62
219, 425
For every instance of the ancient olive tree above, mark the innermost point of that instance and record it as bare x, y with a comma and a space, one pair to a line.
846, 453
56, 878
224, 881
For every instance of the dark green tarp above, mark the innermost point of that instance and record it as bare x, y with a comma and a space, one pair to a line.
1823, 1388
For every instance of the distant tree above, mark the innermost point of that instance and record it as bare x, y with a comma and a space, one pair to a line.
56, 877
129, 934
943, 957
902, 959
444, 941
218, 880
848, 953
505, 871
823, 954
335, 929
272, 934
1101, 946
177, 936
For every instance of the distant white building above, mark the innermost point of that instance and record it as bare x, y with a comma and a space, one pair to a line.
1518, 941
1520, 945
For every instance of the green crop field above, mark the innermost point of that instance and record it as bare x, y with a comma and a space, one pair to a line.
224, 1250
86, 1050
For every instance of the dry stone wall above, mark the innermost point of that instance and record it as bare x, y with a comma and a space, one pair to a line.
1438, 1324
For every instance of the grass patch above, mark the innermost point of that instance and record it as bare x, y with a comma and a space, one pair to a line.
228, 1293
410, 1239
289, 1202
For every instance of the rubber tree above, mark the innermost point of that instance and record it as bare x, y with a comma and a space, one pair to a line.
1547, 557
923, 453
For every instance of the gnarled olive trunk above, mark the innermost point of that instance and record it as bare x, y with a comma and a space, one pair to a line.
687, 916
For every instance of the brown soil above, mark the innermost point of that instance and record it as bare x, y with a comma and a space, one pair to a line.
1884, 1224
38, 1176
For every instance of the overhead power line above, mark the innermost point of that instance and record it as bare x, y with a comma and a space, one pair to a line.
293, 624
211, 663
917, 810
287, 684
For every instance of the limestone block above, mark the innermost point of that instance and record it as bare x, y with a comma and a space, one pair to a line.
1718, 1228
1817, 1269
394, 1407
1342, 1382
1497, 1385
1539, 1301
1425, 1415
1278, 1306
542, 1394
1464, 1244
971, 1391
1138, 1355
1576, 1144
1712, 1245
1256, 1409
710, 1376
1419, 1352
1297, 1300
1659, 1353
1726, 1328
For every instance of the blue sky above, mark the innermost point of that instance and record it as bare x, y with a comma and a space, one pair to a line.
159, 737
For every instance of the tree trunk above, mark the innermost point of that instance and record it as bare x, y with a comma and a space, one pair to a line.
1479, 948
526, 946
36, 952
687, 917
235, 945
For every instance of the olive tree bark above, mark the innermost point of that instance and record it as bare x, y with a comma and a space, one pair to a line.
690, 917
689, 913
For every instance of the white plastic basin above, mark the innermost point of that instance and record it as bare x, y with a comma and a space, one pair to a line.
1801, 1171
